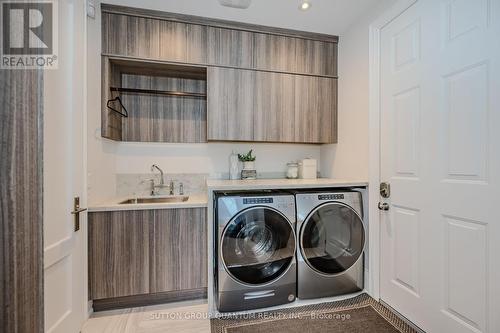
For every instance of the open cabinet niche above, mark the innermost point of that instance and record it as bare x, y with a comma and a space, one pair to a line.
159, 102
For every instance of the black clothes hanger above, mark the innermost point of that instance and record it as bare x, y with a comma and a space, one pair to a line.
123, 114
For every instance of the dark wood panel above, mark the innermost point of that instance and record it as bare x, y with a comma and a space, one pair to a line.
227, 47
119, 253
230, 104
149, 299
179, 250
107, 8
21, 209
274, 107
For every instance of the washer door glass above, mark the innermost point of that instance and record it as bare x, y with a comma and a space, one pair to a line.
332, 238
258, 245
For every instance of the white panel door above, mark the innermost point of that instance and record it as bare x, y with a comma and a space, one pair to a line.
65, 281
440, 151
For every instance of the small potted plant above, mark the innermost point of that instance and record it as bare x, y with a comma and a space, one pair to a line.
248, 160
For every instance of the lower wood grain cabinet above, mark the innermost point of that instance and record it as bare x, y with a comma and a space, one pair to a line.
147, 252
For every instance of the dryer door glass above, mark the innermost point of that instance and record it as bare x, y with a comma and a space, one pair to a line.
258, 245
332, 238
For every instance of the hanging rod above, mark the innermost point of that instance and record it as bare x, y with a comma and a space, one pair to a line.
160, 92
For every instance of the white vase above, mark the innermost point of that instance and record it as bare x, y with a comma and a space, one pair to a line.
250, 165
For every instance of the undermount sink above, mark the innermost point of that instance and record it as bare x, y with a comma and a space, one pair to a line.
155, 200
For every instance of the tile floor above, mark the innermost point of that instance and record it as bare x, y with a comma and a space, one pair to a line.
182, 317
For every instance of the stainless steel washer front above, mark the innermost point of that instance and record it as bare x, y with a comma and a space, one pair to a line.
256, 247
331, 243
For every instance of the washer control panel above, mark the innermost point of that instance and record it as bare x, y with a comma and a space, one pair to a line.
256, 201
331, 197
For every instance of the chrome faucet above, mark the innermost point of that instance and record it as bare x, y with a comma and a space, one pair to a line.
153, 167
162, 181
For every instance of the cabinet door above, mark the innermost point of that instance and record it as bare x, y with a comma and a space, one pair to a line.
179, 252
274, 107
130, 36
118, 253
229, 47
315, 109
181, 42
230, 104
275, 53
316, 57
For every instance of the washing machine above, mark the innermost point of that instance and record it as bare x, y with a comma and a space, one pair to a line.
331, 240
255, 243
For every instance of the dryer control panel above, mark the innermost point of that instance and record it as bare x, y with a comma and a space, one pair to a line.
331, 197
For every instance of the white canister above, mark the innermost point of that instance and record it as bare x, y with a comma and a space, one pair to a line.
308, 168
292, 170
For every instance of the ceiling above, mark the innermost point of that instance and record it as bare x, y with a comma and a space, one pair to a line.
325, 16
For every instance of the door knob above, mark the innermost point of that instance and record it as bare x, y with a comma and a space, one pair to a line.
383, 206
76, 212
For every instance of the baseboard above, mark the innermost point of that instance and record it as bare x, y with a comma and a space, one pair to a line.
403, 318
148, 299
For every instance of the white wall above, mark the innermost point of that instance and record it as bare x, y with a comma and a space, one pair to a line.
211, 158
349, 158
101, 159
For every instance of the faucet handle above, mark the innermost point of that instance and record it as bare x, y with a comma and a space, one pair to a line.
171, 186
181, 189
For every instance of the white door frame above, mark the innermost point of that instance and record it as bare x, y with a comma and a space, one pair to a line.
374, 137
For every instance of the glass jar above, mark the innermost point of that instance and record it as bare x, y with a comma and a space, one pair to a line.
292, 171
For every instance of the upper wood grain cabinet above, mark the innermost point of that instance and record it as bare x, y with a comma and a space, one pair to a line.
245, 105
274, 107
150, 38
180, 42
315, 57
119, 253
179, 257
230, 104
315, 109
203, 42
227, 47
262, 84
130, 36
275, 53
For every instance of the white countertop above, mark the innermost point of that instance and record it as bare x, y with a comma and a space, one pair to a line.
194, 201
200, 199
261, 184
